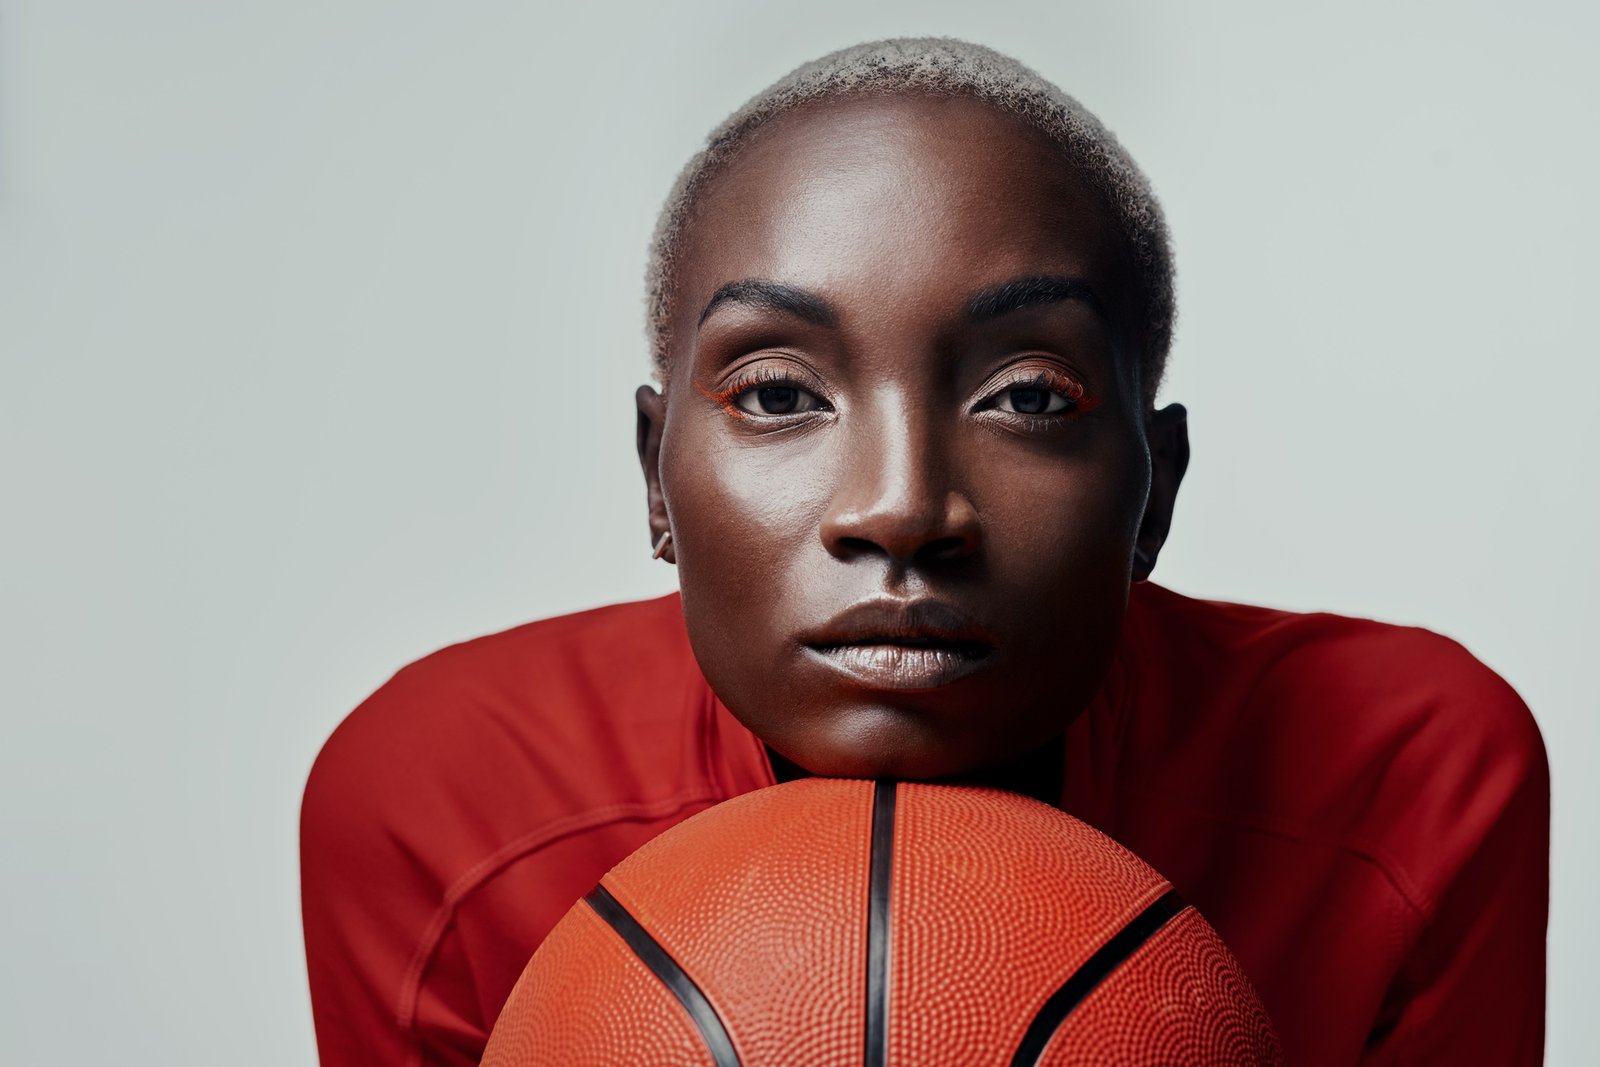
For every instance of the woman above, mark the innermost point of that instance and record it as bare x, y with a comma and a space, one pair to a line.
909, 312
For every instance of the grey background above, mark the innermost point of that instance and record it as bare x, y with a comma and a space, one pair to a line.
320, 322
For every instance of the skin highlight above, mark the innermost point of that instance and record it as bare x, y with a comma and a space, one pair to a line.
905, 381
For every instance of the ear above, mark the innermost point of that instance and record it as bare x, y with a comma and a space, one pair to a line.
652, 421
1168, 433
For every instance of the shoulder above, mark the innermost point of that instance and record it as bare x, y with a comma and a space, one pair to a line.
1361, 675
1394, 740
539, 720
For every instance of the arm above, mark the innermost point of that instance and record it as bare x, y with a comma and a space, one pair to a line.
1472, 989
386, 987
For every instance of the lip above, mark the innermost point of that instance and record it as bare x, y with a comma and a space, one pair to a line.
901, 644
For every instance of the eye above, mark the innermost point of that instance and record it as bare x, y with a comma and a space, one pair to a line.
1033, 400
1040, 393
776, 398
771, 394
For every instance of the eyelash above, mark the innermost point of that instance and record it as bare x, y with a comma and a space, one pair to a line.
755, 379
1050, 381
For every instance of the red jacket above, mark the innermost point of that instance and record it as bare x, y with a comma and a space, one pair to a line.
1361, 810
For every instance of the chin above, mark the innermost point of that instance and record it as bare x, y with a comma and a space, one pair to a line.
885, 743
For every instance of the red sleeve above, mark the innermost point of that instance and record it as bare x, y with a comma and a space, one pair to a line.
367, 900
456, 814
1472, 987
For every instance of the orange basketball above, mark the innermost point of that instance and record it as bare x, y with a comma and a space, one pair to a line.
826, 923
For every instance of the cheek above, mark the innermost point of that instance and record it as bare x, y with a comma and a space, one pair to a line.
1060, 523
744, 521
1059, 534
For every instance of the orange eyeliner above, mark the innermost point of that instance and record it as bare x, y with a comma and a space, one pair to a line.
1056, 382
724, 397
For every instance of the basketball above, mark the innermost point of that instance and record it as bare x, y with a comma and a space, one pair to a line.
838, 923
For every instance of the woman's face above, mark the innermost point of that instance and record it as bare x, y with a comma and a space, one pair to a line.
902, 451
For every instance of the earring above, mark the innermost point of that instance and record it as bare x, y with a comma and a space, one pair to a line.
661, 545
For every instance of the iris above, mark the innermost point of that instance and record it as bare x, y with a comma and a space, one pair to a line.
778, 399
1030, 401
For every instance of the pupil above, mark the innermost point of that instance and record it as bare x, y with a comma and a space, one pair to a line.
1030, 401
778, 399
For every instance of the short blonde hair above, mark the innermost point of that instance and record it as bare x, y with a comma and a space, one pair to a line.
949, 66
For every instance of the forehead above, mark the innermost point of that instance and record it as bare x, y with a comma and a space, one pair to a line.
913, 198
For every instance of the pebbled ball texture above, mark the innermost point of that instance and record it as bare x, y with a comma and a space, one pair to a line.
590, 1001
995, 902
1179, 999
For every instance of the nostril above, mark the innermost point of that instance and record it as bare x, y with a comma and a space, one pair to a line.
906, 550
856, 546
906, 529
945, 548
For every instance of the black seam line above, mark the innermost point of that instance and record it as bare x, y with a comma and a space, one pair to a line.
1094, 971
664, 967
881, 869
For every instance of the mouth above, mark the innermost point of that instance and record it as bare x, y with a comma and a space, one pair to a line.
886, 644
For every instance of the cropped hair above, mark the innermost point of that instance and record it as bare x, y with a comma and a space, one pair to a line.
940, 66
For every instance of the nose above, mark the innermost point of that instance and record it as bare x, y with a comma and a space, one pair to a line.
895, 498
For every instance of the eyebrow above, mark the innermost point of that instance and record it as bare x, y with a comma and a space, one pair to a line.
773, 296
991, 303
1019, 293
